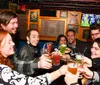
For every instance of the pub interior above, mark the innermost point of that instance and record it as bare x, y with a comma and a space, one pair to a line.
52, 18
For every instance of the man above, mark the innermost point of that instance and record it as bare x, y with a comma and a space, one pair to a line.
76, 45
9, 22
95, 31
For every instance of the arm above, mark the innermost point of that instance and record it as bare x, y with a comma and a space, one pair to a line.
95, 76
10, 76
20, 65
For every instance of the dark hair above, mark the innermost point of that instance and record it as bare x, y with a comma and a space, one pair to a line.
97, 41
6, 17
59, 37
71, 30
94, 26
29, 32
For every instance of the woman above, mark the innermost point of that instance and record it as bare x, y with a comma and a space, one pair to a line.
29, 52
95, 55
7, 75
61, 39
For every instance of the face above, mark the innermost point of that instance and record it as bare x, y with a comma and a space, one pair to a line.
7, 46
95, 34
33, 38
62, 40
95, 51
12, 26
71, 37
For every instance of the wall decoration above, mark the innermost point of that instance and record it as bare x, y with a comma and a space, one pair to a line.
33, 26
86, 34
74, 27
88, 19
33, 16
74, 17
63, 14
51, 28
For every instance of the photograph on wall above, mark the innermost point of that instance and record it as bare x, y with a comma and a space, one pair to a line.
86, 34
33, 16
74, 27
88, 19
33, 26
63, 14
52, 27
74, 18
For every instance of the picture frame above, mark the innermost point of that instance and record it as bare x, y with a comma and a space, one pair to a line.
49, 28
74, 27
86, 34
63, 14
33, 26
34, 15
74, 17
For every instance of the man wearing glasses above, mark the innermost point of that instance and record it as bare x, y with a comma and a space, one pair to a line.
95, 31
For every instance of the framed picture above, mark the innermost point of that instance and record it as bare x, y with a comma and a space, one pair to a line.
63, 14
33, 26
74, 27
74, 17
50, 28
34, 15
86, 34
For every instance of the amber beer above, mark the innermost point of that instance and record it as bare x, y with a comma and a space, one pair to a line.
72, 67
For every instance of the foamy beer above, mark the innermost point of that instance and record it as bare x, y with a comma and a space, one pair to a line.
72, 67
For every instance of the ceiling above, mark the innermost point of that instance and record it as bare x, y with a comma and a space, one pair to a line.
86, 6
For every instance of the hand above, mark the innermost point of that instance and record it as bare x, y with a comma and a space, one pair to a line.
65, 57
71, 78
43, 56
87, 61
45, 62
87, 73
68, 50
63, 69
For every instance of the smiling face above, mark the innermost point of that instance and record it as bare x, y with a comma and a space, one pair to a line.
12, 26
33, 38
71, 37
6, 47
95, 50
62, 41
95, 34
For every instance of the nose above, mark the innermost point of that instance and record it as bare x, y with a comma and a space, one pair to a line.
92, 49
16, 25
13, 43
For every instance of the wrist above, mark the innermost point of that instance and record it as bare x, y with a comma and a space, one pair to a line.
74, 83
39, 64
60, 72
92, 75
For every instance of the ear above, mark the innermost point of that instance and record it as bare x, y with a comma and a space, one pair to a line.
27, 38
3, 26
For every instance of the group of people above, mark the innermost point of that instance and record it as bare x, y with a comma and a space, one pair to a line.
27, 62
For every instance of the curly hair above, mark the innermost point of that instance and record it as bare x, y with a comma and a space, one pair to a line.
3, 60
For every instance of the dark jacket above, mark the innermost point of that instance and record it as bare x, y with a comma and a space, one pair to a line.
80, 47
28, 53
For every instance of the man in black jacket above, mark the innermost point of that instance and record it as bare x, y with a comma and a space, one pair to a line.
76, 45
